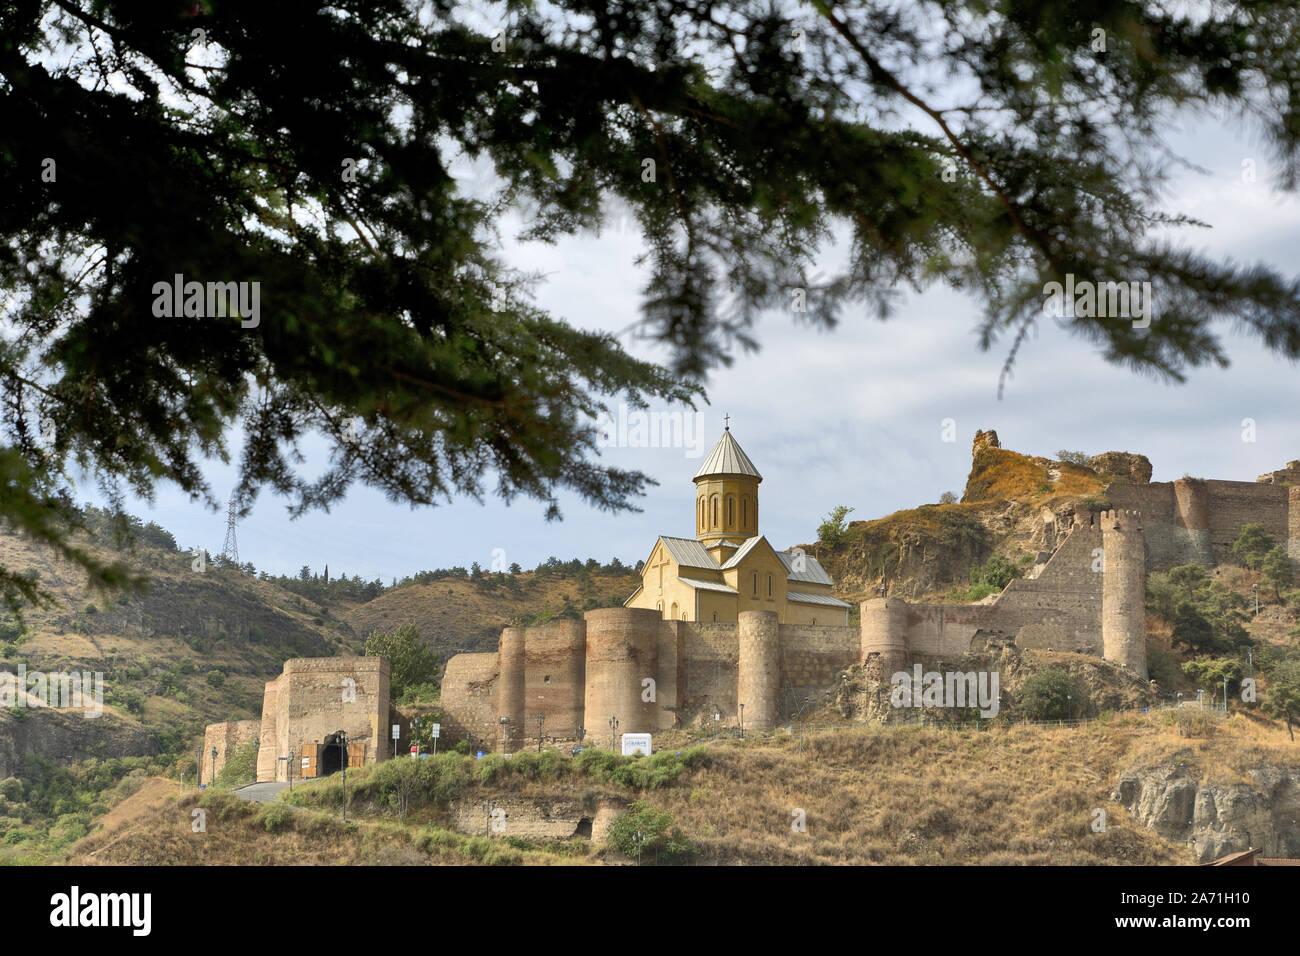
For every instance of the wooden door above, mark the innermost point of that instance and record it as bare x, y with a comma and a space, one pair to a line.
356, 754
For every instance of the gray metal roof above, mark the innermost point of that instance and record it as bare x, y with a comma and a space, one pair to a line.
824, 599
708, 585
689, 553
812, 573
745, 548
727, 458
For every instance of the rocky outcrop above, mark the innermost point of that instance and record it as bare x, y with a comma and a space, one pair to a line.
1122, 466
1216, 818
1098, 685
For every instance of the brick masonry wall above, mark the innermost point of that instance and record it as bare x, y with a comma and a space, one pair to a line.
1236, 503
812, 656
268, 767
712, 655
469, 690
555, 678
1196, 522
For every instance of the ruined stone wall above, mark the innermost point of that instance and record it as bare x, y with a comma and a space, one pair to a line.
469, 694
812, 657
712, 658
226, 738
1061, 608
672, 673
1194, 521
1293, 523
1236, 503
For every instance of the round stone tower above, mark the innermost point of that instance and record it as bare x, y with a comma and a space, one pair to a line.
884, 632
759, 679
1123, 591
622, 651
555, 679
511, 689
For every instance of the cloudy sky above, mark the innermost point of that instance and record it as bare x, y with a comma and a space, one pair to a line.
850, 417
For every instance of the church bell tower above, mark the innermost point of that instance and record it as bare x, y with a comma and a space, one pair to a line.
726, 496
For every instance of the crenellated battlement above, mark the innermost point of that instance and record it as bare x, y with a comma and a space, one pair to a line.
1120, 519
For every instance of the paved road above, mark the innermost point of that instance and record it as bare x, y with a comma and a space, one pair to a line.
261, 792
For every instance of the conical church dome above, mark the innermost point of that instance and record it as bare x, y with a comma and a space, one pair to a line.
727, 458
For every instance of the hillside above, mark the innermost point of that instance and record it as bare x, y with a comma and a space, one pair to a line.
1011, 506
456, 615
912, 795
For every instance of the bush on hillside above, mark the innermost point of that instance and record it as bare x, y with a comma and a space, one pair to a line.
1046, 695
651, 835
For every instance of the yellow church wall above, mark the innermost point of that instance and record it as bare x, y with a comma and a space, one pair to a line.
767, 566
715, 606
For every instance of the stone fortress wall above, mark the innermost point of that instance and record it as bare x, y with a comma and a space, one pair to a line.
1087, 596
650, 674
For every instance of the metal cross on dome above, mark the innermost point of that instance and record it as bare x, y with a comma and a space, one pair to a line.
726, 422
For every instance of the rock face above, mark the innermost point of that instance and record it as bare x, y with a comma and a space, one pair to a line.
1216, 819
63, 737
1123, 466
864, 691
540, 819
988, 439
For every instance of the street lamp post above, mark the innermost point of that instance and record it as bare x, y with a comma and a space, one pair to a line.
343, 754
541, 719
291, 771
716, 717
213, 781
613, 731
742, 721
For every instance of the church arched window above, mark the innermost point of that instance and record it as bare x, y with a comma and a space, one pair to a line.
769, 585
715, 511
731, 511
744, 512
755, 584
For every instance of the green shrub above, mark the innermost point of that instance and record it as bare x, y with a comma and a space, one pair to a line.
1046, 695
240, 766
660, 840
275, 816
